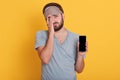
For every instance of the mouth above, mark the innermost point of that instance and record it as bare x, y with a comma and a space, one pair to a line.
56, 24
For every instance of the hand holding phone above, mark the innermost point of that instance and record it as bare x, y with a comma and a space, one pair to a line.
82, 43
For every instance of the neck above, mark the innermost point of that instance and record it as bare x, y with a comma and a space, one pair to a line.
61, 31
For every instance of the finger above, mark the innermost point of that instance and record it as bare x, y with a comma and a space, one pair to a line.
48, 19
86, 46
51, 20
78, 45
86, 43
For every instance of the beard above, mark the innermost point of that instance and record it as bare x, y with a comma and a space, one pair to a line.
57, 28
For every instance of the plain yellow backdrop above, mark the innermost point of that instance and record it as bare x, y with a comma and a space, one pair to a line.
98, 19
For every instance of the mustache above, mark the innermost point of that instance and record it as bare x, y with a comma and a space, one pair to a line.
56, 22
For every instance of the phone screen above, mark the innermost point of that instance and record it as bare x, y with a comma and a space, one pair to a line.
82, 43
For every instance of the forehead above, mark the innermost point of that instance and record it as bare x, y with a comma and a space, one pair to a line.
52, 10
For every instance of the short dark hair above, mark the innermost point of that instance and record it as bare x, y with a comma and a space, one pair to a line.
53, 4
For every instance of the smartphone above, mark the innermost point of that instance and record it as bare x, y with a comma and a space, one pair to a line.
82, 43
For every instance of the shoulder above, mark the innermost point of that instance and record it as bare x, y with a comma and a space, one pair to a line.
73, 34
42, 33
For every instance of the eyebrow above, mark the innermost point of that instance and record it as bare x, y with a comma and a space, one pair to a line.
55, 15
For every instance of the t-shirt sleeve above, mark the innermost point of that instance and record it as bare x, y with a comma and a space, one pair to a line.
40, 39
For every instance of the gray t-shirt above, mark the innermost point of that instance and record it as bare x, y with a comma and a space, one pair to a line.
61, 65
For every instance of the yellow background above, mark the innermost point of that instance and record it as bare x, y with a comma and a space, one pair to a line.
98, 19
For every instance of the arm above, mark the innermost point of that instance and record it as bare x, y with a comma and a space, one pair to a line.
45, 52
79, 66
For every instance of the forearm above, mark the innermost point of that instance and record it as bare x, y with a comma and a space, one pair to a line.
47, 51
79, 64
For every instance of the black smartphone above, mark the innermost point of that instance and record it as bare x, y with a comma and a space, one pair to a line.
82, 43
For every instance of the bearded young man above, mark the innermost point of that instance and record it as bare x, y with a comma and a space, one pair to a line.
58, 47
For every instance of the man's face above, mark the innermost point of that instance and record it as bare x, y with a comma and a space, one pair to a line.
58, 21
54, 15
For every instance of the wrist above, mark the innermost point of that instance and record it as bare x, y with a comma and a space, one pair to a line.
51, 35
80, 56
51, 32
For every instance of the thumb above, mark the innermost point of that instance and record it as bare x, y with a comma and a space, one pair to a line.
78, 46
